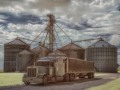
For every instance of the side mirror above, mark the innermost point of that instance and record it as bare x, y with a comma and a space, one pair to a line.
25, 75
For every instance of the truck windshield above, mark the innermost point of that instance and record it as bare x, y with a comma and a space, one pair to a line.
42, 70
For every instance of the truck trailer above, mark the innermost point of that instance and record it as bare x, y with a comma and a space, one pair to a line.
54, 69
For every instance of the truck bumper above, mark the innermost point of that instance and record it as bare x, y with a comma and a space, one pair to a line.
32, 80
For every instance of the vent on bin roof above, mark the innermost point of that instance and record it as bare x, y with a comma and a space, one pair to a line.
25, 52
71, 46
17, 41
101, 43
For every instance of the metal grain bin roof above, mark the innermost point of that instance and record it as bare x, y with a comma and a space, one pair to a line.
57, 53
101, 43
71, 46
50, 58
25, 52
17, 41
39, 48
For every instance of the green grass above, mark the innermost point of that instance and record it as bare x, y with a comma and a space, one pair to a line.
119, 69
9, 79
1, 71
113, 85
101, 74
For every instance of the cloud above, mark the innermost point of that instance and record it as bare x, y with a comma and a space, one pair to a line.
49, 4
2, 21
72, 9
115, 40
88, 16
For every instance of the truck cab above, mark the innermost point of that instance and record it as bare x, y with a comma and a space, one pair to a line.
44, 71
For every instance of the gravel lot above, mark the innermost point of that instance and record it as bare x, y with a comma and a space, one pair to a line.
81, 84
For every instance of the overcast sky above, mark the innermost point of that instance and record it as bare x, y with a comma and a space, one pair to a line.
80, 19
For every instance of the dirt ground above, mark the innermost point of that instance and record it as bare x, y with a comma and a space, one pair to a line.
80, 84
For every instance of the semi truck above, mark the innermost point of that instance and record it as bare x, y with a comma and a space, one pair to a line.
55, 69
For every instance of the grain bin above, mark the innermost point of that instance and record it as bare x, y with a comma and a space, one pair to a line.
73, 50
40, 51
23, 59
104, 56
11, 50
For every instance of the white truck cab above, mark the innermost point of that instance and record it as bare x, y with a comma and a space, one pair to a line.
44, 72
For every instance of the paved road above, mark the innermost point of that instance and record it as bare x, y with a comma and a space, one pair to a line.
76, 85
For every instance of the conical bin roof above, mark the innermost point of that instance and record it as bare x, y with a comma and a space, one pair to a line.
17, 41
24, 52
101, 43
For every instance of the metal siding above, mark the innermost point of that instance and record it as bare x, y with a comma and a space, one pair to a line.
22, 61
10, 53
74, 51
105, 58
79, 66
79, 54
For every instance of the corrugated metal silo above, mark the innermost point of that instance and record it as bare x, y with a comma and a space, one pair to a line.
104, 56
74, 51
23, 59
40, 51
11, 50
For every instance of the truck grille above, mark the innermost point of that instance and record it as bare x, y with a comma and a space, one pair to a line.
31, 72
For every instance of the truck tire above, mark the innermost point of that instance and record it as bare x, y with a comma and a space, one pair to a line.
81, 76
66, 78
90, 75
72, 77
27, 83
45, 80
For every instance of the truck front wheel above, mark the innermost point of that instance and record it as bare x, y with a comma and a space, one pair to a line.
66, 77
27, 83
